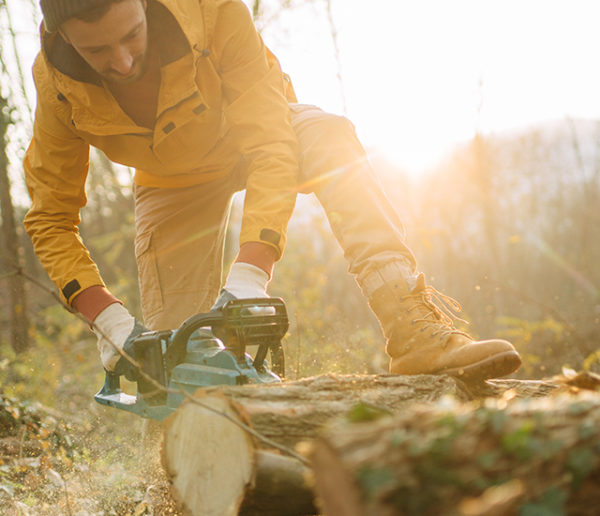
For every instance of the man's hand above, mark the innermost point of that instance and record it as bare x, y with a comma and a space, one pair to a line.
244, 281
115, 327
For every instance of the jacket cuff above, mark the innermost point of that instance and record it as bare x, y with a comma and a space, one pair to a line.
72, 288
272, 238
91, 301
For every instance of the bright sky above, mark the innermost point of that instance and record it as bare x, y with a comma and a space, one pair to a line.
412, 69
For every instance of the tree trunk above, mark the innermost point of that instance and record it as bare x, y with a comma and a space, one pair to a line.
532, 457
483, 179
216, 468
10, 262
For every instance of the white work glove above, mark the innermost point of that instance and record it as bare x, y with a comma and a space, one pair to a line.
244, 281
115, 326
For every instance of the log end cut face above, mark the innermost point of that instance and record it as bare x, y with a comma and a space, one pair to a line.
208, 458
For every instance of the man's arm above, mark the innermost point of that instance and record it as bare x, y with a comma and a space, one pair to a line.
56, 166
259, 115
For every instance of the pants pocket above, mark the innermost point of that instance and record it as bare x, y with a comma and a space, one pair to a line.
150, 291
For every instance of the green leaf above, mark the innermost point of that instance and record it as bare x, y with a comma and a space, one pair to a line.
366, 412
498, 419
581, 462
551, 503
374, 480
521, 441
489, 459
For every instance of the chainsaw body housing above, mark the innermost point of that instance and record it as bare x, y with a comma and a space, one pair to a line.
206, 350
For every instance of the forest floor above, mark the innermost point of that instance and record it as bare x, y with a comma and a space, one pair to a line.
77, 458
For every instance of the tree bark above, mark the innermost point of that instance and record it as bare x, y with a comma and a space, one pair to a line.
532, 457
205, 454
10, 262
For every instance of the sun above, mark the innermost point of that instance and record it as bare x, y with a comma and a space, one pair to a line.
411, 148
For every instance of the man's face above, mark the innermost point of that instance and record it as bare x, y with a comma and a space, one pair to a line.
116, 45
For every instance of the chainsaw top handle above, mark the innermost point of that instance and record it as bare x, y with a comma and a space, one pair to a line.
239, 323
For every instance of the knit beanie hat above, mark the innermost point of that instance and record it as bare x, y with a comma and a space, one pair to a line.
58, 11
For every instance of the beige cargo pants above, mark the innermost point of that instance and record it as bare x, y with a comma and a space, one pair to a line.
181, 231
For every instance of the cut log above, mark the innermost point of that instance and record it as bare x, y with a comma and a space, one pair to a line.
215, 468
281, 487
291, 412
201, 458
527, 457
208, 459
294, 411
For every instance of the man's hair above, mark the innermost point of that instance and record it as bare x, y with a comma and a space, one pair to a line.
58, 11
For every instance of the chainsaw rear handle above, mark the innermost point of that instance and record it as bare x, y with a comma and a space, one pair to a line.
239, 323
249, 315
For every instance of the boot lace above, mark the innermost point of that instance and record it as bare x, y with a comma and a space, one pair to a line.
445, 314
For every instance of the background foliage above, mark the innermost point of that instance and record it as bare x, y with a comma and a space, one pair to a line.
507, 225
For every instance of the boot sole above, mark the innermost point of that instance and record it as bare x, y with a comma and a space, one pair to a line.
496, 366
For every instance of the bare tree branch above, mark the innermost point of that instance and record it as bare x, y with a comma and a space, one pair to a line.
20, 75
336, 50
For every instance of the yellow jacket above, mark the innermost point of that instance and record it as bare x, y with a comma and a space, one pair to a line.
222, 98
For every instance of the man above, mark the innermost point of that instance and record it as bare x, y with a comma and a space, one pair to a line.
186, 92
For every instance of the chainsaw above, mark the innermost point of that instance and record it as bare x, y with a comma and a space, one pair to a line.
207, 349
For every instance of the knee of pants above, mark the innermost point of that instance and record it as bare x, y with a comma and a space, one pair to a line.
329, 132
329, 148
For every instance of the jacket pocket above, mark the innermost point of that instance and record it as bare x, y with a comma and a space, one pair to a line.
187, 132
150, 291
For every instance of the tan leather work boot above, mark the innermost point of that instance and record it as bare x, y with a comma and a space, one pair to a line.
422, 338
